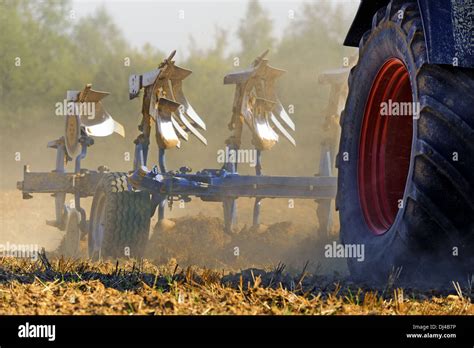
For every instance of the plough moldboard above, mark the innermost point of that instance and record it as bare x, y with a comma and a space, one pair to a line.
166, 108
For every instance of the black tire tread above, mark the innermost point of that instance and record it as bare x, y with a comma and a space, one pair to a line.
452, 212
127, 217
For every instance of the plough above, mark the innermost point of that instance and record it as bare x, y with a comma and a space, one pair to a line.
124, 203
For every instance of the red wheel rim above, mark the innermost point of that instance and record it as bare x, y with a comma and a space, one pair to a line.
385, 147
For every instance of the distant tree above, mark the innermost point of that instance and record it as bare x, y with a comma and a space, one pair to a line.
255, 31
36, 56
311, 44
208, 95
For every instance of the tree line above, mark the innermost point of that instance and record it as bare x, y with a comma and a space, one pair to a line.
44, 53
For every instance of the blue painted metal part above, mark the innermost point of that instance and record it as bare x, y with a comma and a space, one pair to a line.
229, 204
324, 211
218, 185
448, 27
85, 142
59, 197
141, 153
258, 201
161, 160
162, 199
226, 185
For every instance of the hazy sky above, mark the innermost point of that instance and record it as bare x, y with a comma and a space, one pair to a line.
160, 22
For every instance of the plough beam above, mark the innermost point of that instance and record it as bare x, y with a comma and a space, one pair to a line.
218, 185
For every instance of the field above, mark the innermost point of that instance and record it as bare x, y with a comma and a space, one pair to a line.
64, 287
191, 267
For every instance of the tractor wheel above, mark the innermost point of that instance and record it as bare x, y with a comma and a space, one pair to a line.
405, 186
120, 219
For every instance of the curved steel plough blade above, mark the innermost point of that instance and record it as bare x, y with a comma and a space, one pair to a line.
89, 116
257, 104
165, 103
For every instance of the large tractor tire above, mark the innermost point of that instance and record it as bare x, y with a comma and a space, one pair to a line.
120, 219
405, 186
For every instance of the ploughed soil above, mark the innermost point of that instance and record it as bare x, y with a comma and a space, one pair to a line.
201, 241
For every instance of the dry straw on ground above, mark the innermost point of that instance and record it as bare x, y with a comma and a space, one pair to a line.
63, 286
